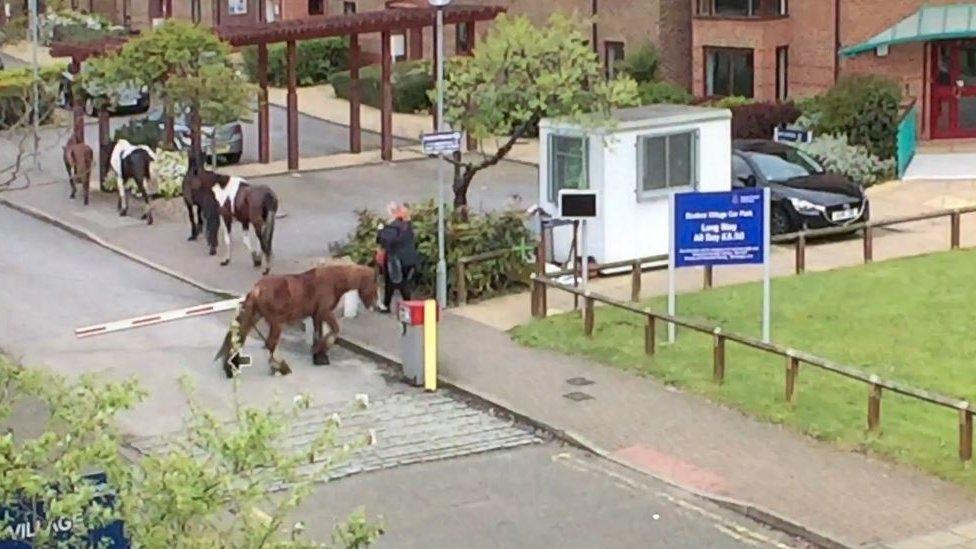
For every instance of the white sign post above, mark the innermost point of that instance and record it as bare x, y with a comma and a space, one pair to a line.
767, 287
671, 284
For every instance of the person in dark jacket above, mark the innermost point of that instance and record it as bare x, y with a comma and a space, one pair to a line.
399, 259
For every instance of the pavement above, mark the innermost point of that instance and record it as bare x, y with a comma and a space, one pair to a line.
445, 471
758, 468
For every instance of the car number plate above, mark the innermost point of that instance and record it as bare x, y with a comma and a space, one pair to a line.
844, 215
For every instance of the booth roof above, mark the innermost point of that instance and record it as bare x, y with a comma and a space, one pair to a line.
651, 116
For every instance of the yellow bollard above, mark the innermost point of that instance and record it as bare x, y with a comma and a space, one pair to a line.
430, 345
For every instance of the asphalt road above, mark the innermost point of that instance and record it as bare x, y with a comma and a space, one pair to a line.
538, 494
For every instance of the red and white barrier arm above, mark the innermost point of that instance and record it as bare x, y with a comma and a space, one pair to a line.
149, 320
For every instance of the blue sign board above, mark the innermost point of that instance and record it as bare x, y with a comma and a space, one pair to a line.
722, 228
18, 528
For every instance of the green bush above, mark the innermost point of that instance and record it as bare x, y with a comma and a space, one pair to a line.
642, 65
82, 33
140, 131
862, 107
316, 61
837, 155
14, 31
16, 91
411, 80
729, 102
663, 92
481, 233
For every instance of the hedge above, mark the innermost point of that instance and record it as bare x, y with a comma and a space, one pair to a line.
316, 61
862, 107
411, 80
15, 93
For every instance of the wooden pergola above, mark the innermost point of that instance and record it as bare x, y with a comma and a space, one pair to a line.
384, 22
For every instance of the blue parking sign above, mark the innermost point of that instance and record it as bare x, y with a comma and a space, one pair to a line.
719, 228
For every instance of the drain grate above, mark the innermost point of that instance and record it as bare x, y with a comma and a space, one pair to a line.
577, 396
580, 381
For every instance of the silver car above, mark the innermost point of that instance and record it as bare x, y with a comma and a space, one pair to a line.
229, 138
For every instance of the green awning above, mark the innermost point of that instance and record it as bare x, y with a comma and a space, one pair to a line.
928, 23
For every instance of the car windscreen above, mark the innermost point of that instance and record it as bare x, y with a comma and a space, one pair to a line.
785, 164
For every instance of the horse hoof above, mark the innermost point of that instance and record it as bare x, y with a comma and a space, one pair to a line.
284, 368
213, 251
225, 263
144, 216
266, 271
320, 359
256, 261
86, 202
192, 238
122, 213
149, 221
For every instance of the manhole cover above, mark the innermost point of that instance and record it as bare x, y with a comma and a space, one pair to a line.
579, 381
577, 396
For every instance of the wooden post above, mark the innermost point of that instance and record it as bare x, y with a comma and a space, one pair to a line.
868, 244
291, 63
77, 109
801, 253
264, 114
965, 434
386, 110
103, 142
588, 316
462, 291
707, 282
874, 407
635, 281
649, 335
718, 362
539, 298
416, 43
792, 369
355, 97
955, 222
434, 41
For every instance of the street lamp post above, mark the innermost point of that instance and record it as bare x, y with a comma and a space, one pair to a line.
441, 262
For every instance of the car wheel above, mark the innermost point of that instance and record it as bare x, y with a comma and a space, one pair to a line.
233, 158
779, 221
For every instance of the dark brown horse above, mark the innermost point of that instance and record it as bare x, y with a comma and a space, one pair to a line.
254, 205
198, 195
78, 159
286, 299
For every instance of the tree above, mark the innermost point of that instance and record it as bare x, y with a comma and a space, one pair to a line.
18, 136
186, 66
518, 75
210, 488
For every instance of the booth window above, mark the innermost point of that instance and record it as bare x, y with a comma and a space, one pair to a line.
667, 162
567, 164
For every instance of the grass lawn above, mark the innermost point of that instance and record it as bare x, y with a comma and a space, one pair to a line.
911, 320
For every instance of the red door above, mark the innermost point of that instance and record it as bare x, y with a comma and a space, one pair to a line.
953, 89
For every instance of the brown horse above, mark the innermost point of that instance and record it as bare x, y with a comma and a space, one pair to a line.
78, 159
286, 299
250, 205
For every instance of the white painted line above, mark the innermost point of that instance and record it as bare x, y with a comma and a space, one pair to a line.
159, 318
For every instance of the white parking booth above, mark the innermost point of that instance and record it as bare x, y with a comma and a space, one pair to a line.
634, 163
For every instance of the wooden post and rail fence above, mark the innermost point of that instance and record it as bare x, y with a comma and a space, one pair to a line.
793, 359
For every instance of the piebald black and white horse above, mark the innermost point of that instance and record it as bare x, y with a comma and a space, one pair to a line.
254, 205
132, 162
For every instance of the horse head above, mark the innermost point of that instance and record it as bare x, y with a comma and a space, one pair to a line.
367, 287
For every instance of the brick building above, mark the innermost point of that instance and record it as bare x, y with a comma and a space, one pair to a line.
779, 49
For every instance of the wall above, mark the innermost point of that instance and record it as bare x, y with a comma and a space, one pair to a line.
629, 228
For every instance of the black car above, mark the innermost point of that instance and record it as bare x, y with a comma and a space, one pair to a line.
803, 194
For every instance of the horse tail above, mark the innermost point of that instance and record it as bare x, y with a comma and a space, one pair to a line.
269, 209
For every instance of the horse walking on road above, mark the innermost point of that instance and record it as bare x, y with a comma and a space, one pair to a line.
198, 194
78, 160
132, 162
286, 299
254, 205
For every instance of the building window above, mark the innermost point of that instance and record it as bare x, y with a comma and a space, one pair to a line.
398, 46
613, 54
728, 72
667, 162
743, 8
782, 73
348, 7
316, 7
567, 164
462, 42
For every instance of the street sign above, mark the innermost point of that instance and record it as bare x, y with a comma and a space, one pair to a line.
792, 134
724, 228
721, 228
441, 142
22, 520
577, 204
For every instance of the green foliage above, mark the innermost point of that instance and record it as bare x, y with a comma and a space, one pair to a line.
141, 131
16, 95
15, 30
72, 26
642, 65
520, 73
411, 81
480, 233
854, 161
729, 102
167, 171
663, 92
317, 60
208, 488
862, 107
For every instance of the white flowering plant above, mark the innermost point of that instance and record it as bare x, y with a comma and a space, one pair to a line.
168, 171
